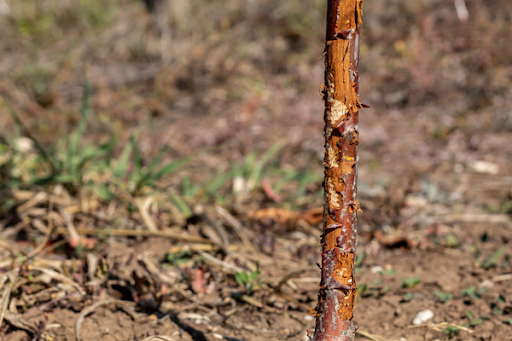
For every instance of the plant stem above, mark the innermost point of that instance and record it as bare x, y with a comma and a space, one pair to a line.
338, 289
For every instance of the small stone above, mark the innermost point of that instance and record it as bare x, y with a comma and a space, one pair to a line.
485, 167
416, 201
487, 284
422, 316
377, 269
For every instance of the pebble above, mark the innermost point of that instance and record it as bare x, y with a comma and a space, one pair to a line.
485, 167
422, 316
377, 269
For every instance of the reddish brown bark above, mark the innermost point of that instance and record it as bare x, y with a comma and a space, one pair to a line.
338, 289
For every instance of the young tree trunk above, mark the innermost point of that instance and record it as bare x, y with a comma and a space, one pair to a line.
338, 289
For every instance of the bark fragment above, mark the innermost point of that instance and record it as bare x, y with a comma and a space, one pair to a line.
338, 289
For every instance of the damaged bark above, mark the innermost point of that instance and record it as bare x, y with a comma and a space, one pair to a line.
338, 289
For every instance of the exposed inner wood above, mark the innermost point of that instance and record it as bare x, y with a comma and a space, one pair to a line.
338, 289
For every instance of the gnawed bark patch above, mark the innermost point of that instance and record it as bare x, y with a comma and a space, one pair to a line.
338, 289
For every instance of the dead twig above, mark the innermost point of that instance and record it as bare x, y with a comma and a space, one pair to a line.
35, 200
256, 303
4, 302
43, 306
155, 271
57, 276
216, 261
18, 322
135, 233
294, 274
9, 247
237, 227
143, 206
159, 338
441, 326
373, 337
501, 278
47, 235
200, 247
466, 218
285, 297
211, 229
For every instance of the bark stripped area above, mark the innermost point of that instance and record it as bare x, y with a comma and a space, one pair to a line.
338, 289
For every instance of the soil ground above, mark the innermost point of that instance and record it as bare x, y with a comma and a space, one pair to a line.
225, 246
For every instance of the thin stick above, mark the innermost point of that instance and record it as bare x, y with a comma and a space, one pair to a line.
219, 262
293, 274
47, 235
12, 275
237, 227
135, 233
159, 338
373, 337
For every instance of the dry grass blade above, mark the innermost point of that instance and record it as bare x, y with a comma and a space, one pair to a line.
45, 305
214, 231
159, 338
47, 235
88, 310
307, 228
302, 306
39, 225
8, 246
73, 234
373, 336
294, 274
467, 218
35, 200
155, 271
218, 336
18, 322
257, 303
442, 326
4, 302
200, 247
136, 233
216, 261
143, 206
502, 278
57, 276
237, 227
5, 263
193, 316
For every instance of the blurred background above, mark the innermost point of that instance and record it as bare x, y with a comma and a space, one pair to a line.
152, 115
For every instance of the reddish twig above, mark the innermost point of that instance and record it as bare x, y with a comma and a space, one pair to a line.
338, 289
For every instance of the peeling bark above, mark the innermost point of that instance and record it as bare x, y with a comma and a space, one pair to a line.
338, 289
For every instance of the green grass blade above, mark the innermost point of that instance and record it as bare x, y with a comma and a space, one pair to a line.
151, 177
137, 159
121, 169
257, 170
82, 125
24, 130
217, 182
181, 204
249, 165
156, 160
